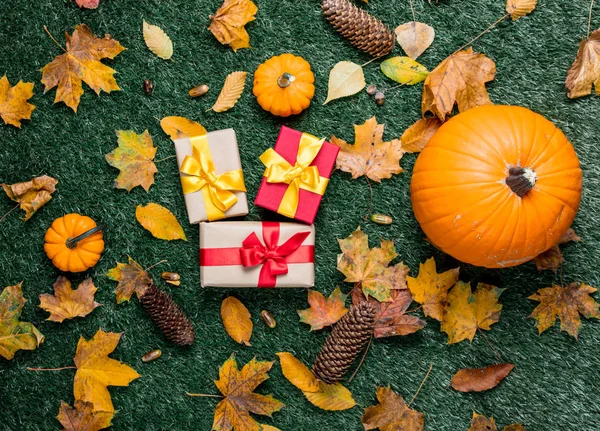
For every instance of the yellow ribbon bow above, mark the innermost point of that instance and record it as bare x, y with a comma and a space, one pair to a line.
298, 176
199, 171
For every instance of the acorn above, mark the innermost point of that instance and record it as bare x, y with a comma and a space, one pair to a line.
148, 87
380, 98
198, 91
371, 90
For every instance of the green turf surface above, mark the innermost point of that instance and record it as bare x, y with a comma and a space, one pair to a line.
555, 384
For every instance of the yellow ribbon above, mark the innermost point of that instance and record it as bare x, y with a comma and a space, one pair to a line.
199, 175
298, 176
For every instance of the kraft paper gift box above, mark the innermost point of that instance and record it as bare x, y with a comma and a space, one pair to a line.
296, 175
211, 176
256, 254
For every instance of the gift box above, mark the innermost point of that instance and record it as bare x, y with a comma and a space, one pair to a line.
296, 175
256, 254
211, 176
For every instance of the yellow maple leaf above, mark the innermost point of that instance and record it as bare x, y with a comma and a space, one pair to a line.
369, 155
159, 221
31, 195
585, 70
96, 371
323, 311
13, 102
236, 320
430, 289
227, 24
81, 62
466, 312
392, 414
132, 279
134, 158
82, 417
67, 303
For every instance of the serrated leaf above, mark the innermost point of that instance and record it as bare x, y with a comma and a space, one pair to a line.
31, 195
227, 24
67, 303
13, 102
181, 127
392, 414
519, 8
231, 91
82, 417
584, 73
323, 312
345, 79
414, 38
157, 41
134, 158
132, 278
159, 221
404, 70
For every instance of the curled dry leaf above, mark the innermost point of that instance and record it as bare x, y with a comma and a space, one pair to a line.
236, 320
134, 158
480, 379
416, 136
345, 79
181, 127
13, 102
131, 278
227, 24
404, 70
585, 70
31, 195
67, 303
392, 414
553, 257
159, 221
231, 91
82, 417
414, 38
323, 312
519, 8
157, 41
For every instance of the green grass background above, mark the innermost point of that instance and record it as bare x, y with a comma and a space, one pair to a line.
555, 384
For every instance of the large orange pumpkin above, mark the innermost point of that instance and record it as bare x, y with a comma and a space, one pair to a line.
496, 186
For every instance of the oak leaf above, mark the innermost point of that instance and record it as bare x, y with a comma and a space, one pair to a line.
134, 158
132, 279
414, 38
392, 414
480, 379
88, 4
553, 257
15, 335
82, 417
466, 312
430, 289
227, 24
31, 195
13, 102
81, 62
233, 413
519, 8
345, 79
458, 79
369, 156
585, 70
370, 266
159, 221
236, 320
404, 70
157, 41
181, 127
96, 371
415, 138
566, 303
482, 423
231, 92
323, 312
67, 303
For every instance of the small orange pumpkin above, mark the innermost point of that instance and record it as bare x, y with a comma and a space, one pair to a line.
496, 186
74, 243
284, 85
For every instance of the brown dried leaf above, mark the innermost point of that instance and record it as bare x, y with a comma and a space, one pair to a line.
13, 102
231, 91
480, 379
236, 320
134, 158
415, 138
481, 423
31, 195
67, 303
585, 70
132, 279
82, 417
227, 24
323, 312
392, 414
414, 38
553, 257
519, 8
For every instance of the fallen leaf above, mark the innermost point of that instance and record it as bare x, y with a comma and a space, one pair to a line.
430, 289
415, 138
585, 70
132, 279
404, 70
31, 195
231, 91
236, 320
458, 79
15, 335
480, 379
566, 303
369, 156
67, 303
553, 257
514, 427
161, 222
392, 414
519, 8
82, 417
370, 266
466, 312
481, 423
323, 312
414, 38
13, 102
81, 62
181, 127
88, 4
297, 373
96, 371
134, 158
157, 41
227, 24
233, 412
345, 79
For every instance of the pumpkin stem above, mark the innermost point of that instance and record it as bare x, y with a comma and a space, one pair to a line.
521, 180
285, 80
72, 242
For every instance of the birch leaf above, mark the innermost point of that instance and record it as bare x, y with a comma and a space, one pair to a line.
345, 79
231, 91
158, 41
404, 70
519, 8
159, 221
414, 38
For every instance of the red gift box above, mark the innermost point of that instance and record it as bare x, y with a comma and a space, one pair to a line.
271, 194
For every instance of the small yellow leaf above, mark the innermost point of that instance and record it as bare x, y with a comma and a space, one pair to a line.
345, 79
231, 91
404, 70
161, 222
331, 397
236, 320
519, 8
414, 38
158, 41
181, 127
13, 102
297, 373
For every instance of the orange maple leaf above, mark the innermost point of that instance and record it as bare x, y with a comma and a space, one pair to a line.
369, 156
132, 279
585, 70
227, 24
134, 158
82, 417
81, 62
31, 195
323, 312
13, 102
67, 303
392, 414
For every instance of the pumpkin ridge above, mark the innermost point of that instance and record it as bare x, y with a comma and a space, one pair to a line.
474, 131
557, 152
549, 147
473, 156
541, 177
557, 198
506, 256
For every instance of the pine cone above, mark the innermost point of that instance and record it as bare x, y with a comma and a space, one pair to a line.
362, 30
167, 315
345, 342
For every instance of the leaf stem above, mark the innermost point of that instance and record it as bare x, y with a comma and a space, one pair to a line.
54, 40
421, 385
9, 211
482, 33
590, 18
51, 369
412, 9
204, 395
491, 345
361, 361
157, 263
414, 309
370, 198
166, 158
